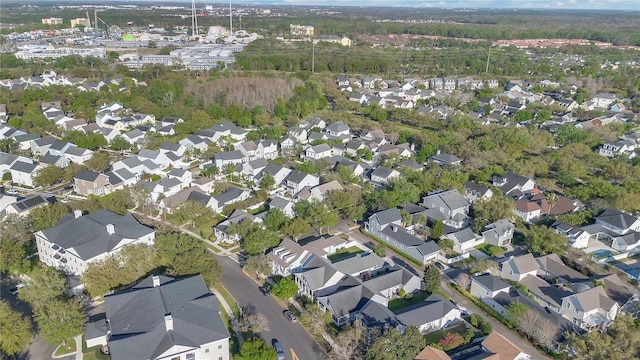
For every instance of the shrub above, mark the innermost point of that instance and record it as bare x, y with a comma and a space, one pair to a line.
451, 341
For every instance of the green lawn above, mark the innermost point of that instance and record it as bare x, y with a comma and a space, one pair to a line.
398, 303
489, 249
344, 253
434, 337
68, 348
93, 353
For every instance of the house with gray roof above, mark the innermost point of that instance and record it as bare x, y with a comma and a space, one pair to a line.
298, 180
23, 172
453, 206
162, 318
498, 233
284, 205
513, 185
237, 216
382, 175
516, 268
338, 129
590, 309
55, 160
464, 240
231, 196
23, 206
475, 192
434, 313
79, 240
618, 222
487, 286
445, 159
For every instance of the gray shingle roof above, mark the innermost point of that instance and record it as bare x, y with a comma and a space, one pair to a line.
401, 235
231, 194
137, 318
388, 216
358, 263
431, 309
88, 235
617, 218
23, 167
87, 175
491, 282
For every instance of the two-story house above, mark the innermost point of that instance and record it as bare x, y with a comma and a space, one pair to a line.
88, 182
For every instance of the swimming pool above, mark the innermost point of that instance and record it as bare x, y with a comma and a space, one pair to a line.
601, 253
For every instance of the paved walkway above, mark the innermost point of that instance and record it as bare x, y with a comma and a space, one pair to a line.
219, 250
78, 352
232, 317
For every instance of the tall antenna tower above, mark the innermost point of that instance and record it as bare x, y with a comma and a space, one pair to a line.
194, 19
230, 19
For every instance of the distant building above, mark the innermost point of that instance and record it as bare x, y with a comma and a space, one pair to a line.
52, 21
80, 21
301, 30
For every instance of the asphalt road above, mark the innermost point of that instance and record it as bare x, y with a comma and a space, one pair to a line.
245, 292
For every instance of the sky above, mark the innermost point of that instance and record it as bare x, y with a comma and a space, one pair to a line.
523, 4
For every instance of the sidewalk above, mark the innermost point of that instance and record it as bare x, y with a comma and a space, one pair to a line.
78, 352
232, 319
219, 249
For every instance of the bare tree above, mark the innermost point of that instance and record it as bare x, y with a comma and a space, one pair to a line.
348, 343
528, 322
546, 331
252, 322
464, 280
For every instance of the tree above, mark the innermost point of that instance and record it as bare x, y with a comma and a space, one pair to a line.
451, 341
543, 240
348, 342
318, 214
72, 170
296, 227
528, 322
15, 236
15, 330
394, 345
485, 212
267, 182
380, 250
349, 203
437, 230
48, 175
253, 322
99, 162
406, 217
256, 349
185, 255
258, 264
284, 289
515, 311
546, 331
43, 287
194, 212
275, 219
432, 278
258, 240
315, 319
47, 216
119, 143
60, 319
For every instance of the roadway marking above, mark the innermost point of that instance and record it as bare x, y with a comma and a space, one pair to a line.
294, 356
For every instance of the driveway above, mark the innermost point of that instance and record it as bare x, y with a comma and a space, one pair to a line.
245, 292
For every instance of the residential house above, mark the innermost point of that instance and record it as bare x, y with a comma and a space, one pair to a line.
157, 157
284, 205
23, 173
185, 176
620, 147
317, 152
176, 148
252, 168
320, 192
163, 188
22, 207
386, 225
288, 257
77, 155
92, 183
383, 175
578, 238
513, 185
497, 343
77, 240
434, 313
486, 287
134, 137
231, 196
618, 221
278, 172
287, 144
227, 158
453, 206
475, 192
54, 160
445, 159
603, 100
626, 242
338, 129
590, 309
298, 180
498, 233
162, 318
527, 210
227, 132
195, 142
464, 240
237, 216
517, 268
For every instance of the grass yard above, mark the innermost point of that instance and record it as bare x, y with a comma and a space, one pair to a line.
93, 353
434, 337
400, 303
490, 250
344, 253
68, 348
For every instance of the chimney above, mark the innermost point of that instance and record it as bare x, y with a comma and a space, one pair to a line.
394, 228
156, 280
168, 322
111, 229
77, 213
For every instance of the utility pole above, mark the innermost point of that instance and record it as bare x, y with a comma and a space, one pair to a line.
230, 20
313, 56
488, 58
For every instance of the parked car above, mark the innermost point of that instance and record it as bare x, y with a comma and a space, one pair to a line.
279, 350
292, 318
14, 290
264, 290
439, 265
